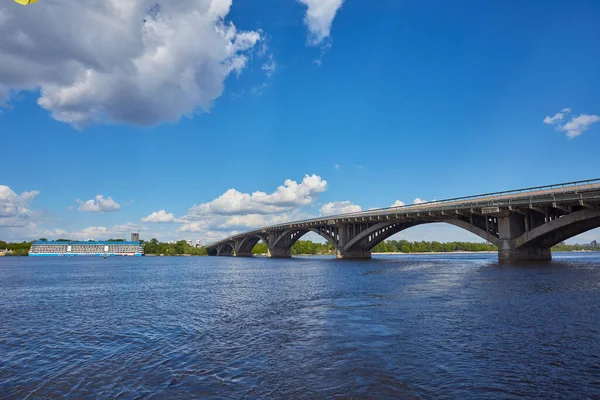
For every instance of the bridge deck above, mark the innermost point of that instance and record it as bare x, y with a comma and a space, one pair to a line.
564, 192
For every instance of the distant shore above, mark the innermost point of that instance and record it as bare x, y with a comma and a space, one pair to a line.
389, 253
440, 252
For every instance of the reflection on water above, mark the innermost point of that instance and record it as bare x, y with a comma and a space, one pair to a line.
407, 326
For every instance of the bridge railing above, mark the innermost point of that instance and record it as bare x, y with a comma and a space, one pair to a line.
441, 204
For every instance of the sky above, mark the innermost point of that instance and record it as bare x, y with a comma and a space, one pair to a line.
203, 118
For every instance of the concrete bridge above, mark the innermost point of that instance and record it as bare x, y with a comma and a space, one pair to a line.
523, 223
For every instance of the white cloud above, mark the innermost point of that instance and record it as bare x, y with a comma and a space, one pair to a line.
269, 66
138, 62
235, 211
54, 234
32, 231
103, 233
336, 166
194, 226
579, 124
251, 221
575, 126
419, 201
14, 211
159, 217
98, 204
559, 116
319, 17
289, 196
339, 207
398, 203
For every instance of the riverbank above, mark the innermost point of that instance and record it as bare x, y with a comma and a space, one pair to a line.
438, 252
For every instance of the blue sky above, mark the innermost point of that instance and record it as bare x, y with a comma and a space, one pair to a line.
168, 107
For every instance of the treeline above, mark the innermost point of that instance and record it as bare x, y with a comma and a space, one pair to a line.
154, 247
16, 249
574, 247
179, 248
404, 246
300, 247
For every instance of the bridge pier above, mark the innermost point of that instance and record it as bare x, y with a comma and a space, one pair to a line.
508, 252
279, 252
243, 254
512, 225
354, 254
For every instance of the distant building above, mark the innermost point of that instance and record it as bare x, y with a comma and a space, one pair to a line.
594, 243
197, 243
189, 242
135, 236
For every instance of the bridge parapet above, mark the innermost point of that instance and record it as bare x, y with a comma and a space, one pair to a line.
522, 223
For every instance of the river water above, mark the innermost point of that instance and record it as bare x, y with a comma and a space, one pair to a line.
405, 326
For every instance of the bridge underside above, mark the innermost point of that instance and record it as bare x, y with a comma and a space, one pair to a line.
521, 233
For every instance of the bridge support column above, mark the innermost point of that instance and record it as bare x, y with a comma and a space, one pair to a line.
279, 252
354, 254
510, 226
508, 252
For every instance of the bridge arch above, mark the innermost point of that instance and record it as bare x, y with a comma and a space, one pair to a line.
281, 245
365, 241
225, 249
244, 247
560, 229
376, 234
291, 236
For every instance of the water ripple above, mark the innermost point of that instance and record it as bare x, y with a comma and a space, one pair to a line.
414, 327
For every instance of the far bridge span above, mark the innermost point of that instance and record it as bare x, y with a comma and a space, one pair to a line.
523, 223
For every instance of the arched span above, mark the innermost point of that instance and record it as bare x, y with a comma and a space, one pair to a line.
560, 229
245, 246
493, 239
379, 232
291, 236
226, 249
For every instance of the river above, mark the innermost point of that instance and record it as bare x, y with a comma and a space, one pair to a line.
403, 326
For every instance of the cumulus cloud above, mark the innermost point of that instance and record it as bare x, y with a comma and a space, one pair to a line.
419, 201
575, 126
14, 211
250, 221
398, 203
99, 204
289, 196
339, 207
579, 124
103, 233
139, 62
194, 226
159, 217
559, 116
235, 211
319, 17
